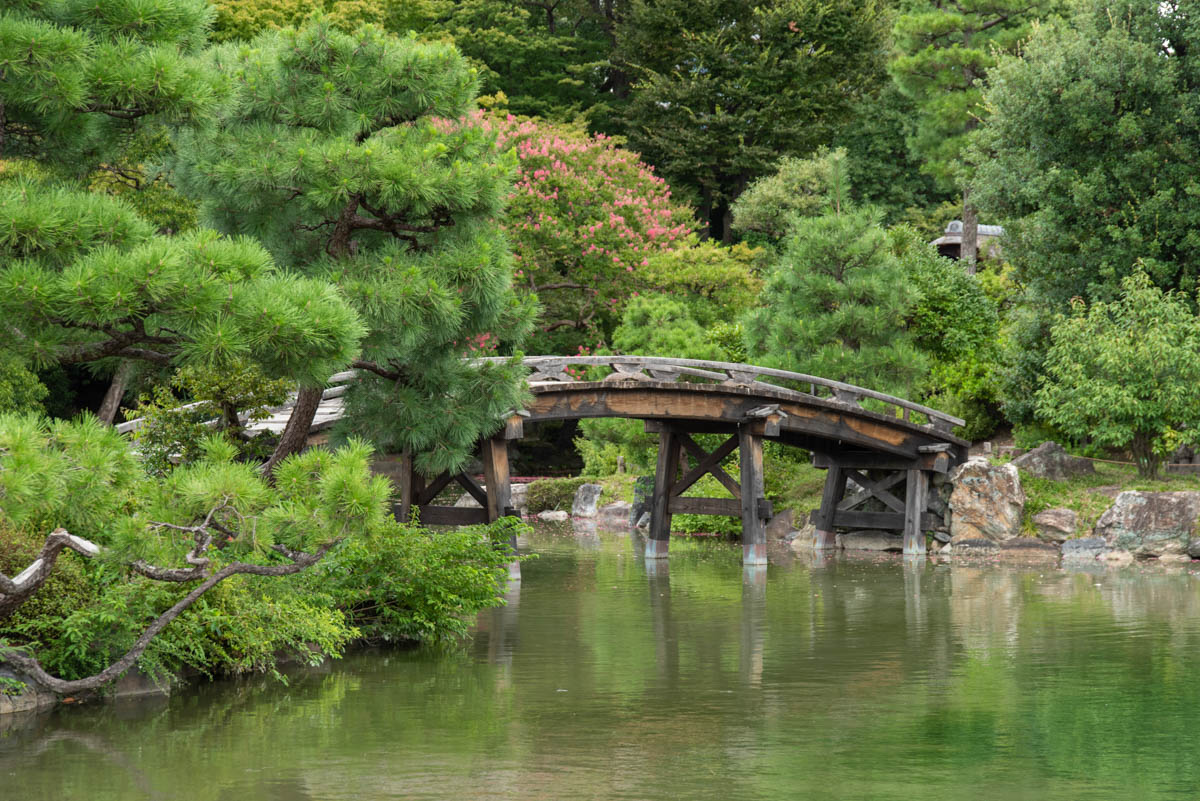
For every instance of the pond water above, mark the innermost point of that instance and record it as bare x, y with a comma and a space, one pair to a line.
604, 678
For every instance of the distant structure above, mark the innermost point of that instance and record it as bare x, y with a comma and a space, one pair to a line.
949, 244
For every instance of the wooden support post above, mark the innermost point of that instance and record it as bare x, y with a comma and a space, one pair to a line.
754, 529
914, 506
824, 537
498, 483
496, 478
407, 478
660, 504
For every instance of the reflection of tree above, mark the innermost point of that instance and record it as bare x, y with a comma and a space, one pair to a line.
853, 679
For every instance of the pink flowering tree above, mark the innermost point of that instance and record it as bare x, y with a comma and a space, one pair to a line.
584, 217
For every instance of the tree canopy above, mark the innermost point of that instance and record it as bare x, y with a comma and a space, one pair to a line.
376, 182
723, 88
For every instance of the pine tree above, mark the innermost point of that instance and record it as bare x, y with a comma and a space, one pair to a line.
835, 306
82, 78
945, 50
724, 88
348, 155
83, 278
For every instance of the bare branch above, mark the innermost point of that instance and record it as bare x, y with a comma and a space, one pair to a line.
17, 590
376, 368
31, 667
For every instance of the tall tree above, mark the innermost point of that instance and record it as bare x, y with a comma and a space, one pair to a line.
348, 156
835, 305
724, 88
84, 277
945, 49
1089, 154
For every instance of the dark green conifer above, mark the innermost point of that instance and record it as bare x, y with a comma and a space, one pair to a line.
351, 158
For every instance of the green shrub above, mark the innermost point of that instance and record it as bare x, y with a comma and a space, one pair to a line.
553, 494
402, 583
20, 389
171, 435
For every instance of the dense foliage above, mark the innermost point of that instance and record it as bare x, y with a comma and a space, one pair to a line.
82, 476
746, 82
1124, 373
369, 182
584, 218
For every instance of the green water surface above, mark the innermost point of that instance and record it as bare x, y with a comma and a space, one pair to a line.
604, 678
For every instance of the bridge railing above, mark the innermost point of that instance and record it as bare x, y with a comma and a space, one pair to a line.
547, 369
663, 368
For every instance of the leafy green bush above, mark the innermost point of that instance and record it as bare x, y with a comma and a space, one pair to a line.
1124, 374
798, 188
171, 435
20, 389
401, 583
553, 493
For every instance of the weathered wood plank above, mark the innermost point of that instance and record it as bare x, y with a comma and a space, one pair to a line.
754, 529
730, 507
937, 462
887, 521
404, 508
915, 501
825, 537
497, 478
660, 504
453, 515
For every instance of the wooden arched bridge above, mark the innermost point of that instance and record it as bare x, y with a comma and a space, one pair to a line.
886, 446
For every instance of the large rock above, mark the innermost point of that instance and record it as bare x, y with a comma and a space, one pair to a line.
643, 498
870, 541
780, 526
1084, 549
987, 501
1151, 523
803, 541
1056, 525
553, 516
587, 500
615, 515
1051, 460
520, 498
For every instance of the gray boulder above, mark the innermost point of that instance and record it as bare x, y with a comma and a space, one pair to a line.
781, 525
520, 498
614, 514
466, 501
587, 500
1056, 525
553, 516
1051, 460
870, 541
643, 493
1084, 548
1151, 523
986, 503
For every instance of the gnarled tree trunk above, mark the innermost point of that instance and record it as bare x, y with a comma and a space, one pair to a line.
116, 391
295, 433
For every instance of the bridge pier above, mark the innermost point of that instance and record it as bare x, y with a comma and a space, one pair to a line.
877, 478
494, 496
748, 501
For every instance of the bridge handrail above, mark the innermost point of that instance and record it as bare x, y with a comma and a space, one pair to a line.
665, 368
553, 368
